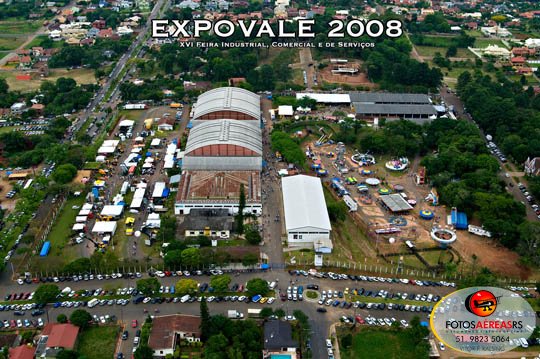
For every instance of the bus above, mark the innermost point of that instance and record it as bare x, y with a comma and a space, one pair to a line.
45, 249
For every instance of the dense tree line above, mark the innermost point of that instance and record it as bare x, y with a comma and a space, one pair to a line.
465, 176
432, 23
289, 149
65, 96
90, 56
225, 338
504, 109
22, 8
152, 89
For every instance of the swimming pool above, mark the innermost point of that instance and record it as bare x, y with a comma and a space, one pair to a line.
280, 356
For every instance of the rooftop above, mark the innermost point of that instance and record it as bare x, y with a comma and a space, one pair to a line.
164, 329
277, 335
209, 186
60, 335
396, 202
228, 99
393, 109
389, 98
304, 203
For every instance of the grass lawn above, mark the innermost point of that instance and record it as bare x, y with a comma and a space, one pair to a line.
19, 27
10, 43
431, 51
375, 343
484, 42
7, 129
81, 76
38, 39
98, 342
61, 251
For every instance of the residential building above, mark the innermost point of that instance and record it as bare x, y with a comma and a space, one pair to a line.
278, 340
56, 337
22, 352
168, 330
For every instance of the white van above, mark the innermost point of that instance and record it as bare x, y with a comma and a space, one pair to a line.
93, 302
523, 342
272, 285
185, 298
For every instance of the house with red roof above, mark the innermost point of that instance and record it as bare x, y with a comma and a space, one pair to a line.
22, 352
518, 61
56, 337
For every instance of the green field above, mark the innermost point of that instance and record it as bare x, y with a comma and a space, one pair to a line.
10, 43
431, 51
374, 343
98, 342
485, 42
38, 39
19, 27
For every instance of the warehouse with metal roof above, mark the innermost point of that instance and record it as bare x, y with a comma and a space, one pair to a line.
224, 145
306, 216
227, 103
390, 98
368, 110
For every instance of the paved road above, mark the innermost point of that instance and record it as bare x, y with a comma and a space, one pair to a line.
450, 98
121, 63
320, 322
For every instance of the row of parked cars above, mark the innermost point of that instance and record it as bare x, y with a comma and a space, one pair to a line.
21, 323
341, 276
77, 278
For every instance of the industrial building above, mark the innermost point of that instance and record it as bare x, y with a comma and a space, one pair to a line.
223, 153
371, 105
227, 103
306, 217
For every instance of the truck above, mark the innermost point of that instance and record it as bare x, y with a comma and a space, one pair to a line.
135, 106
234, 314
254, 313
93, 302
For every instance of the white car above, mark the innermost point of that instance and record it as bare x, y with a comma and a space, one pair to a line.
271, 300
404, 323
290, 317
40, 322
441, 346
329, 343
20, 281
160, 274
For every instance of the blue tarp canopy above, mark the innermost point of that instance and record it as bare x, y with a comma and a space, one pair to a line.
265, 266
189, 125
459, 220
166, 192
148, 154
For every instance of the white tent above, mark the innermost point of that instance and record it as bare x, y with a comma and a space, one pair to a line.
106, 150
136, 150
153, 220
168, 164
285, 110
171, 149
149, 160
100, 158
155, 142
112, 210
88, 206
158, 190
81, 219
104, 227
126, 123
78, 227
84, 212
147, 165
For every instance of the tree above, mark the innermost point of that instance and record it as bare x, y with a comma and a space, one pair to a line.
346, 341
250, 259
64, 173
257, 286
205, 320
220, 283
280, 313
253, 236
148, 286
143, 352
62, 318
67, 354
337, 211
451, 51
191, 257
46, 293
266, 312
186, 286
80, 318
173, 258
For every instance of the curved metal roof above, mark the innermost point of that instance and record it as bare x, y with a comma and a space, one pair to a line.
225, 132
228, 99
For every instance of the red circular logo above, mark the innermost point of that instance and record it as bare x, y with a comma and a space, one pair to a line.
482, 303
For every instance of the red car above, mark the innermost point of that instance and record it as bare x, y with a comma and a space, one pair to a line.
359, 320
134, 323
167, 273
